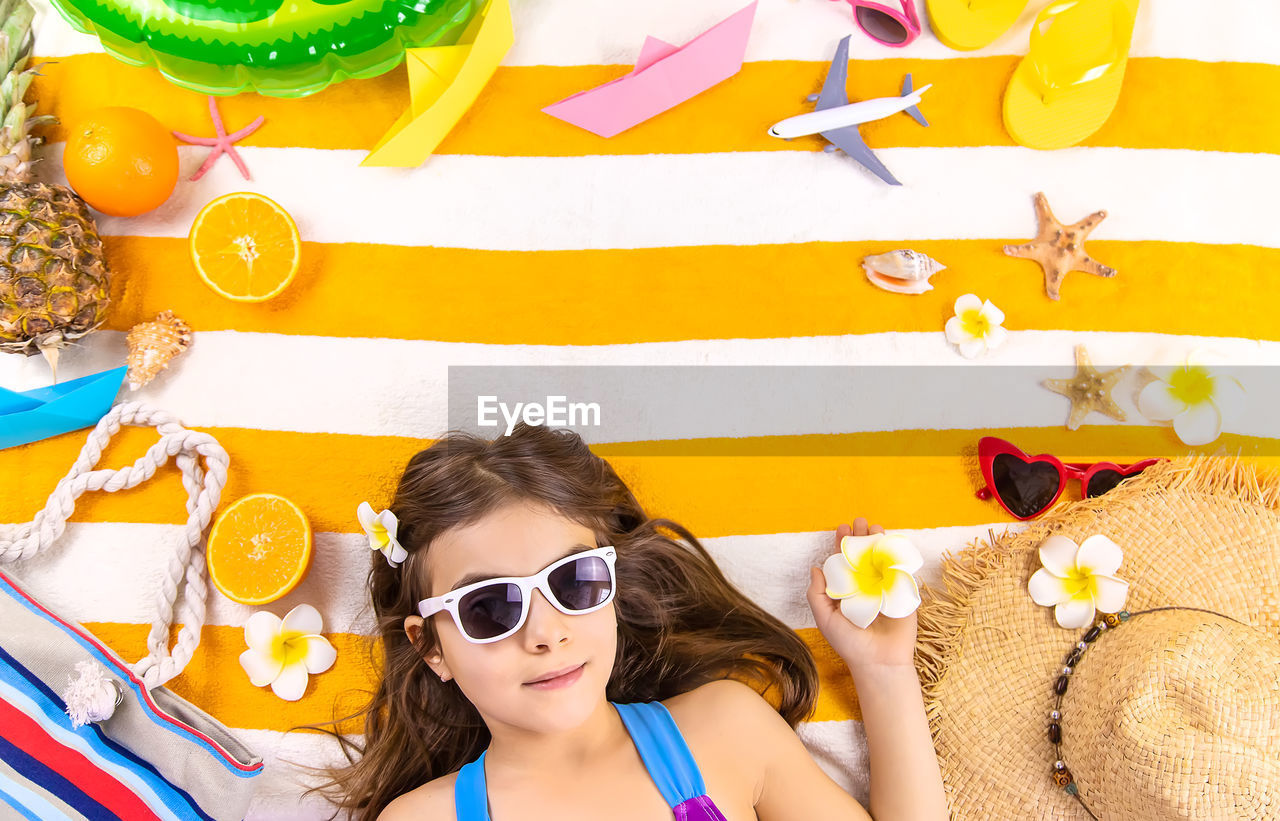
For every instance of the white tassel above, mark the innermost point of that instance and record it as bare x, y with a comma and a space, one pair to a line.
91, 696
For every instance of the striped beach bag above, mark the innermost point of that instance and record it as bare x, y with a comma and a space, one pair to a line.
83, 734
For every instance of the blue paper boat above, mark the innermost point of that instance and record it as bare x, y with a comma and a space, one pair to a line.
33, 415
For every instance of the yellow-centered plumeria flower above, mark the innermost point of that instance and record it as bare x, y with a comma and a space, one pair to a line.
1194, 396
1078, 581
872, 575
977, 326
283, 653
381, 530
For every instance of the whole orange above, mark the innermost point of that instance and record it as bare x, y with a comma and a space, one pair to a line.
121, 161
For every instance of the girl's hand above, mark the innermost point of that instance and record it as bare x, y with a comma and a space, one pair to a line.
885, 643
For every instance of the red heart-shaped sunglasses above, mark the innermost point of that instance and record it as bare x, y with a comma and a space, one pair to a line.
1027, 486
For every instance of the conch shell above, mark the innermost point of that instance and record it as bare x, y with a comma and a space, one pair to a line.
153, 345
902, 272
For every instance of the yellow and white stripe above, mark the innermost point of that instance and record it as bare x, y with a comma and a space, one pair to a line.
741, 198
583, 32
228, 364
693, 239
130, 558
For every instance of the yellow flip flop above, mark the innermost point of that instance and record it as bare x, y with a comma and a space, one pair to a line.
969, 24
1067, 85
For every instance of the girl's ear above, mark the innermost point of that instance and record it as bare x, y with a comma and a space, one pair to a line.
413, 626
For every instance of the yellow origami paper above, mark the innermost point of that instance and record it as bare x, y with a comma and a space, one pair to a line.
444, 81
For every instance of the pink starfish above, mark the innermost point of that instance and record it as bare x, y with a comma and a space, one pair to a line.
222, 142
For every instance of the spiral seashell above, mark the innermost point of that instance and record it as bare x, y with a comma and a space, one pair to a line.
153, 345
902, 272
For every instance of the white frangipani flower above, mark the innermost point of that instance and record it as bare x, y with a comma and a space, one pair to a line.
1078, 581
872, 575
1194, 396
977, 326
381, 530
283, 653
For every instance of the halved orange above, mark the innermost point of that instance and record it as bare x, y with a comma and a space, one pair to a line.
245, 246
259, 549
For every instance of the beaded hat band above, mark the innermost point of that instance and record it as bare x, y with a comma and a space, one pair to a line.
1198, 681
1173, 712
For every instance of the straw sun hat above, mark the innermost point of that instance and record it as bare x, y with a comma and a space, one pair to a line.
1172, 713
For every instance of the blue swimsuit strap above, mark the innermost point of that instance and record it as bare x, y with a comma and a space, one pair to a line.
663, 750
470, 796
658, 740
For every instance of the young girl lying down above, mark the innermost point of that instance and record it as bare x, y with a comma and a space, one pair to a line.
551, 652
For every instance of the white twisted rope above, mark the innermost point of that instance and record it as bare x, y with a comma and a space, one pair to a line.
204, 489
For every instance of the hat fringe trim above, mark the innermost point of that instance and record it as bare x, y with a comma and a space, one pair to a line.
945, 613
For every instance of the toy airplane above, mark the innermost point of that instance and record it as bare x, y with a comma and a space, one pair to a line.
38, 414
836, 119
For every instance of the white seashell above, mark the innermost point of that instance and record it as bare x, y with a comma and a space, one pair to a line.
902, 272
153, 345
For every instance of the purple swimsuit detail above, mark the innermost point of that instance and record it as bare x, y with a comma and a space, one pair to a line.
662, 749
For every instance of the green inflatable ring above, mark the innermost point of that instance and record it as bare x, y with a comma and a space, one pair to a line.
282, 48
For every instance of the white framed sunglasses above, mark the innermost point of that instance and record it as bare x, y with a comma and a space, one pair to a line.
493, 609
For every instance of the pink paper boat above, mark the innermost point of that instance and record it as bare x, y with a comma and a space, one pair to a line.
664, 76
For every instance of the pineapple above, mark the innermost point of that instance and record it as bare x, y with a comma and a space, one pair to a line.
54, 283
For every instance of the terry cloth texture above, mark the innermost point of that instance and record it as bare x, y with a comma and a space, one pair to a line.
692, 239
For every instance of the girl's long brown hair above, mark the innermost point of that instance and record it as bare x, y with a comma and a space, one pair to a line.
680, 622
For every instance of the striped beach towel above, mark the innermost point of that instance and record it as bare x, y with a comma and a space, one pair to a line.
691, 240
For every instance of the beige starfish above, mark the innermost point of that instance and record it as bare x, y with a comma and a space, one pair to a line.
1089, 390
1060, 248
